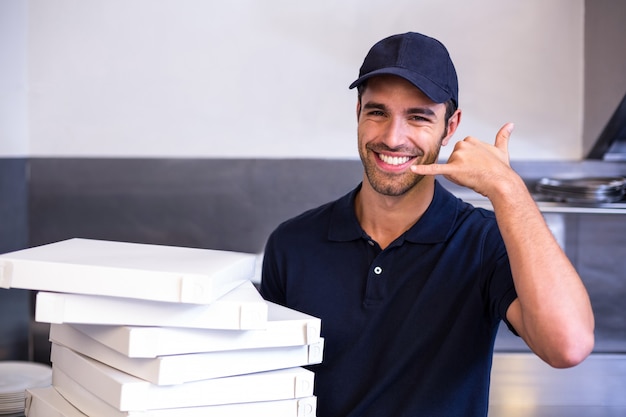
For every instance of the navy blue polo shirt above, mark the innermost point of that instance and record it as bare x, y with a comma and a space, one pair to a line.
409, 330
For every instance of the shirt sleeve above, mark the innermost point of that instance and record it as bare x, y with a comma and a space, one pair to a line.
501, 286
272, 284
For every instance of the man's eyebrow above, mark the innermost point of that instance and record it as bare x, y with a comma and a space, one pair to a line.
373, 105
426, 111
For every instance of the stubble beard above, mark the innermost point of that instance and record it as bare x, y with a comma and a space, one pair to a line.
394, 184
391, 184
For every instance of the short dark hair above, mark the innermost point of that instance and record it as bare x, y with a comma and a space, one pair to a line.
451, 107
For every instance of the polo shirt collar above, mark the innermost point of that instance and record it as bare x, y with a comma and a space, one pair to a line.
437, 222
434, 226
344, 225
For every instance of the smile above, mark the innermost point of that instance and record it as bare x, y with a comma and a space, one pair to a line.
394, 160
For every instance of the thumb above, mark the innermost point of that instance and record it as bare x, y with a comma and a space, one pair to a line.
503, 135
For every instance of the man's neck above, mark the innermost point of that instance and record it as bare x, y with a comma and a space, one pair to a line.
385, 218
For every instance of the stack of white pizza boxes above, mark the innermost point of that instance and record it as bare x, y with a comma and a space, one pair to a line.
162, 331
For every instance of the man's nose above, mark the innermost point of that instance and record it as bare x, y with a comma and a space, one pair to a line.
395, 132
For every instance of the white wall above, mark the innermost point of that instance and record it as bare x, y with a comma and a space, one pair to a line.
245, 78
13, 79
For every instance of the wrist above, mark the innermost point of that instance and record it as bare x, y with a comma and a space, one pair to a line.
511, 190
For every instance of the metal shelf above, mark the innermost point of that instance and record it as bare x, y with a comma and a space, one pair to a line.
552, 207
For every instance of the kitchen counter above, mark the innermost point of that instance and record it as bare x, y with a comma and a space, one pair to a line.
533, 171
524, 386
550, 206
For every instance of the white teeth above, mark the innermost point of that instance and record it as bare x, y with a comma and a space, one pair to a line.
394, 160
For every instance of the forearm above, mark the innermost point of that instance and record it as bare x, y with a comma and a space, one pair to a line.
554, 313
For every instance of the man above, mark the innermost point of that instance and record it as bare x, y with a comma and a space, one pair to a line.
410, 282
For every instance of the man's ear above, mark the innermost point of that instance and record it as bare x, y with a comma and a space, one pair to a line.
358, 109
453, 123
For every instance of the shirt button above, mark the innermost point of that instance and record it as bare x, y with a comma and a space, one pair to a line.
371, 242
378, 270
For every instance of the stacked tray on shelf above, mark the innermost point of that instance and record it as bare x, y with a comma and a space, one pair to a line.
15, 378
583, 190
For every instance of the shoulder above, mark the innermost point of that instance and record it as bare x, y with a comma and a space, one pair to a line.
468, 223
316, 221
308, 220
458, 211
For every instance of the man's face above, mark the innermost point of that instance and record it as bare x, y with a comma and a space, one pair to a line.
398, 126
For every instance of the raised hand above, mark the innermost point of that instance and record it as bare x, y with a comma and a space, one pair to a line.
477, 165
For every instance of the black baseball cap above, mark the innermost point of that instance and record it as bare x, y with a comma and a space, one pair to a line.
419, 59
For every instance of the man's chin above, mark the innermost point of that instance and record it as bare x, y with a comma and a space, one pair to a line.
395, 188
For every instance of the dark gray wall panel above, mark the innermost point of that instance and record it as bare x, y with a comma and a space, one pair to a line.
219, 204
15, 310
601, 262
13, 204
14, 304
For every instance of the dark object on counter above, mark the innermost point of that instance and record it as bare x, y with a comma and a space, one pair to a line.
583, 190
611, 145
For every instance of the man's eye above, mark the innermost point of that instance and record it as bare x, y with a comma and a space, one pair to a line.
376, 113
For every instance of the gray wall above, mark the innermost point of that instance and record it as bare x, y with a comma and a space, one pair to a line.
14, 304
605, 65
210, 203
13, 203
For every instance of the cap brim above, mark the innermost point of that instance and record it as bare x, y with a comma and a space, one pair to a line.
432, 90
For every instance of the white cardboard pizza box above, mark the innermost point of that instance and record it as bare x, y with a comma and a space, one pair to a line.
93, 406
126, 392
241, 308
47, 402
284, 327
178, 369
121, 269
